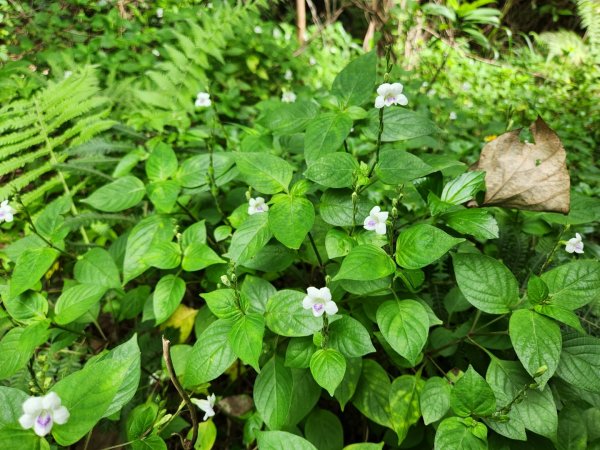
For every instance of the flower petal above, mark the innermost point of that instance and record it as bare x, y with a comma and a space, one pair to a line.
60, 415
331, 308
308, 302
318, 312
379, 102
33, 406
374, 210
383, 89
27, 421
380, 228
383, 216
313, 292
370, 223
51, 401
396, 88
401, 99
42, 424
325, 294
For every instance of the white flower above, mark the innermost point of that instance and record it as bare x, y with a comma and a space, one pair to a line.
312, 61
277, 33
67, 74
257, 29
376, 220
159, 13
7, 212
257, 205
574, 245
424, 84
155, 52
452, 115
466, 86
288, 97
390, 94
289, 76
40, 413
206, 405
319, 301
203, 100
431, 92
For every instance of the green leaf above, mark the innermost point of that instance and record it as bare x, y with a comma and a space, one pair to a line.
246, 337
250, 238
277, 440
372, 394
422, 244
325, 134
12, 435
163, 194
572, 431
474, 221
167, 296
140, 420
537, 342
75, 301
404, 404
463, 188
580, 361
26, 307
273, 393
335, 170
222, 303
355, 84
338, 243
299, 351
290, 220
258, 292
198, 256
162, 163
194, 233
485, 282
31, 265
563, 315
305, 395
18, 345
350, 337
399, 124
288, 119
266, 173
472, 396
364, 263
324, 430
398, 166
211, 355
328, 367
574, 284
404, 325
455, 432
435, 399
345, 391
336, 208
286, 316
97, 267
121, 194
364, 446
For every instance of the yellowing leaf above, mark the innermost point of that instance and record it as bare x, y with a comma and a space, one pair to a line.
183, 319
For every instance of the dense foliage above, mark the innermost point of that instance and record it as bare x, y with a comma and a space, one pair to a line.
212, 236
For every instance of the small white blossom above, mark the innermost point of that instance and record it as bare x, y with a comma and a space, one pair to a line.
574, 245
312, 61
452, 115
431, 92
277, 33
67, 74
466, 86
390, 94
376, 220
40, 413
288, 97
289, 76
159, 13
257, 205
7, 212
155, 52
203, 100
424, 84
257, 29
206, 405
319, 302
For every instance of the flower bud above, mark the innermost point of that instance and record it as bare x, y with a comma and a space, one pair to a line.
354, 197
541, 371
395, 212
225, 280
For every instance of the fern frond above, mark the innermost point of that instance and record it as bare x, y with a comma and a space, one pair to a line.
40, 191
564, 43
589, 11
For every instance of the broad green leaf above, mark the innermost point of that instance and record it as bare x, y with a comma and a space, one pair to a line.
163, 255
580, 361
328, 367
151, 442
404, 404
398, 166
249, 238
435, 399
162, 163
288, 119
143, 237
299, 351
31, 265
572, 431
266, 173
12, 435
537, 342
463, 188
97, 267
336, 170
336, 208
167, 296
350, 337
140, 420
355, 84
305, 395
194, 233
485, 282
258, 291
291, 219
325, 134
404, 325
198, 256
26, 307
472, 396
75, 301
18, 345
458, 433
273, 393
399, 124
422, 244
123, 193
246, 337
338, 243
372, 394
364, 263
477, 222
286, 316
192, 175
163, 194
324, 430
278, 440
364, 446
223, 303
574, 284
211, 355
560, 314
345, 391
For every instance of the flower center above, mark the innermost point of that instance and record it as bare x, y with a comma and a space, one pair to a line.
318, 307
259, 208
44, 419
372, 223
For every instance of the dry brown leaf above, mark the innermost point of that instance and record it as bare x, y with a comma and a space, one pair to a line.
236, 405
527, 176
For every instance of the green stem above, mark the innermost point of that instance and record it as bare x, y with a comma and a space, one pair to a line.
378, 147
314, 247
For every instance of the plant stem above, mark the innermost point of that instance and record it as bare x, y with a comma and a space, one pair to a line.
314, 247
378, 147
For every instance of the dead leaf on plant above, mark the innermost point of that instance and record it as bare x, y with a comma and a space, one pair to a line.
526, 176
